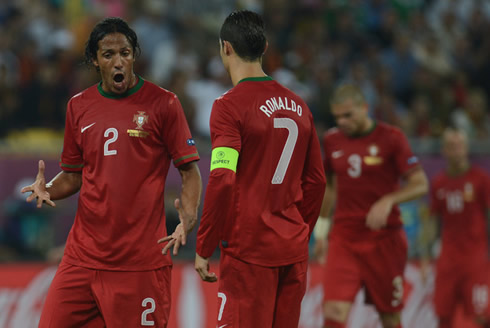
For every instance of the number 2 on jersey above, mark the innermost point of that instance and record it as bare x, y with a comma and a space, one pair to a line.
114, 133
287, 152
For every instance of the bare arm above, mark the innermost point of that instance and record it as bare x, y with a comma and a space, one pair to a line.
324, 221
329, 197
63, 185
187, 206
416, 185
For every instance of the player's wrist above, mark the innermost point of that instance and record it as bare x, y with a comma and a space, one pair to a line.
322, 228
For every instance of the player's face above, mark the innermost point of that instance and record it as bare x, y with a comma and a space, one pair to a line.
455, 147
115, 59
350, 117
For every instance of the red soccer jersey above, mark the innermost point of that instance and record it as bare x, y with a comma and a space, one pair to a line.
263, 214
462, 202
123, 146
366, 168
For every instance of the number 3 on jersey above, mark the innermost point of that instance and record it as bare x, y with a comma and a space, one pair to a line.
287, 152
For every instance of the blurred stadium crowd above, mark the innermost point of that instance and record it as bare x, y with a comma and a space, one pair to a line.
422, 64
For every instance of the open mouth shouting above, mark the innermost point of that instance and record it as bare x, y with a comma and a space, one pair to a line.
119, 82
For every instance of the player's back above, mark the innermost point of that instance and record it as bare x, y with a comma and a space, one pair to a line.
275, 128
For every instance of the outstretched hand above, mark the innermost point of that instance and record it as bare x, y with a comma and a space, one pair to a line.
179, 236
38, 189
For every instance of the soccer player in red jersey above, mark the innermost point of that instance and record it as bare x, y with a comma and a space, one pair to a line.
120, 138
460, 199
367, 247
265, 188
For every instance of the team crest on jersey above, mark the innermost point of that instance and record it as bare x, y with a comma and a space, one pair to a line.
373, 158
140, 119
468, 193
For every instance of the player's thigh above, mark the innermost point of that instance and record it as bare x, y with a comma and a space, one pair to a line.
342, 275
447, 288
476, 292
383, 272
134, 299
246, 294
290, 292
342, 279
69, 302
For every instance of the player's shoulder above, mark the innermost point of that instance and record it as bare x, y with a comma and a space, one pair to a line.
477, 171
332, 133
438, 179
389, 129
150, 87
84, 97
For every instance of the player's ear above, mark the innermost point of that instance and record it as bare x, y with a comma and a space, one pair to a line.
227, 48
266, 47
95, 63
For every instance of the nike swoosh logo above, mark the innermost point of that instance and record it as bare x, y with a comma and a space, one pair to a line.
223, 326
86, 127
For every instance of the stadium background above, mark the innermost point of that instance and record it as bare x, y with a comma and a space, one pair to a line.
422, 64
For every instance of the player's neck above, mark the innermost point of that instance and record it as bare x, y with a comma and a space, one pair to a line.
368, 126
458, 168
241, 70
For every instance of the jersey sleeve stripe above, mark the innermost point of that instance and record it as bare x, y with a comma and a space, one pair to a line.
68, 166
183, 158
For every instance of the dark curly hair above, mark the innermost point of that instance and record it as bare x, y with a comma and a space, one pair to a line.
108, 26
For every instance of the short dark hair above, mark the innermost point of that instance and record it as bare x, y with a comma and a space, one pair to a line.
107, 26
245, 30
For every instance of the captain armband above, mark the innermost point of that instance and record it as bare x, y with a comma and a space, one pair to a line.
322, 227
224, 157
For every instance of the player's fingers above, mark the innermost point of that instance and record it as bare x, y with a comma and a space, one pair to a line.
177, 203
166, 248
26, 189
41, 168
211, 277
176, 247
164, 239
31, 197
50, 202
39, 202
183, 240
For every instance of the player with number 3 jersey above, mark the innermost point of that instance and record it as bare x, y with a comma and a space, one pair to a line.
265, 188
367, 247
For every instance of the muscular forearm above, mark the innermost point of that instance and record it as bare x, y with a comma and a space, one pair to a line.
191, 190
64, 184
416, 185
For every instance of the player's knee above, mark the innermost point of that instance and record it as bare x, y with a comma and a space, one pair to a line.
336, 312
391, 320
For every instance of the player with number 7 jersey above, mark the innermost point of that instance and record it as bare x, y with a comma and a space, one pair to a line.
264, 191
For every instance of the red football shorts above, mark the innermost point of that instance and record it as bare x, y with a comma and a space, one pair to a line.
462, 284
81, 297
251, 296
377, 265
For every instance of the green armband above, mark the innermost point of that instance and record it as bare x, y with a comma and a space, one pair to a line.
224, 157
